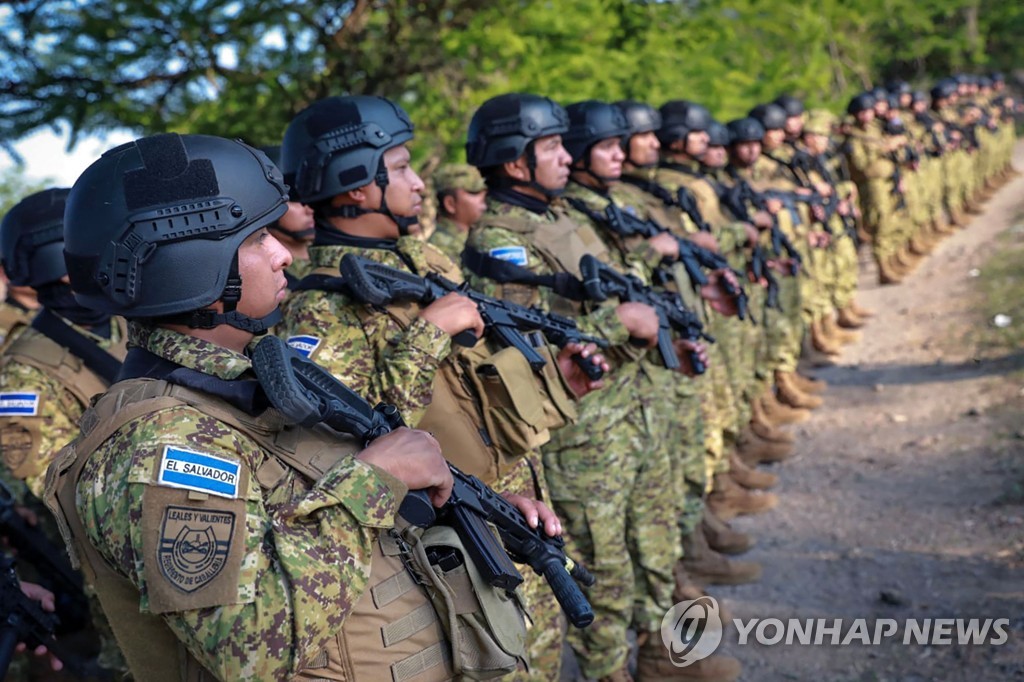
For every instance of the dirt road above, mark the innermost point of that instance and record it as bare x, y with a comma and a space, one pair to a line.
903, 500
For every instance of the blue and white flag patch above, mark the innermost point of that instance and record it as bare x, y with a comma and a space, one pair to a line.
19, 404
305, 345
513, 254
199, 471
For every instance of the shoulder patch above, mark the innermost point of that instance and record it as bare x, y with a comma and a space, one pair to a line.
305, 345
190, 470
194, 545
19, 404
513, 254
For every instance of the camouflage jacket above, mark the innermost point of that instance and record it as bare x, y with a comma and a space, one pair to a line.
448, 238
729, 232
253, 579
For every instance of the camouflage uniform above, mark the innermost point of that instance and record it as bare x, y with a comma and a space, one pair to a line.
872, 169
448, 237
602, 469
382, 360
295, 557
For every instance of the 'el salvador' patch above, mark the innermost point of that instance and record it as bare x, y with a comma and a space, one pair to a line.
194, 545
305, 345
513, 254
198, 471
19, 404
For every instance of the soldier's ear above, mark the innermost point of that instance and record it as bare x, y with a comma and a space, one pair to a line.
517, 170
448, 204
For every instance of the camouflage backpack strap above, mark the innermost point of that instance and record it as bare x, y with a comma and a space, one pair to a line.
146, 641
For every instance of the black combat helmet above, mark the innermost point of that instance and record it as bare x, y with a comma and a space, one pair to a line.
918, 96
337, 144
790, 104
718, 135
590, 122
879, 93
32, 239
861, 102
898, 87
152, 228
746, 129
503, 127
770, 115
944, 89
641, 117
679, 118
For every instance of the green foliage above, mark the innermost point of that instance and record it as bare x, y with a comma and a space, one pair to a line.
243, 69
14, 188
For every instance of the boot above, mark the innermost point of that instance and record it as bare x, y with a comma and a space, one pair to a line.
957, 218
809, 385
728, 499
755, 450
687, 590
941, 229
764, 428
908, 260
705, 565
653, 664
973, 207
836, 333
888, 272
848, 319
780, 413
860, 312
793, 396
751, 479
920, 245
820, 340
721, 537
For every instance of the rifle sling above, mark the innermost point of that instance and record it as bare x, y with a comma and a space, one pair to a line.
60, 332
504, 272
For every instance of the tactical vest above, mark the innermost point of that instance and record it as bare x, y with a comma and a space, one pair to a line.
12, 318
487, 409
395, 624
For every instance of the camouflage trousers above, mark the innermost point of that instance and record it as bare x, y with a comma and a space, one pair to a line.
604, 487
784, 328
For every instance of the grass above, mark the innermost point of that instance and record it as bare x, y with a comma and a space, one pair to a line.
1001, 292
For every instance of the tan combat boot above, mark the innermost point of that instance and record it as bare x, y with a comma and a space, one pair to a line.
765, 428
793, 396
861, 311
780, 413
722, 537
941, 229
837, 333
750, 478
907, 260
687, 590
848, 319
809, 385
920, 245
654, 665
728, 499
820, 340
706, 566
889, 272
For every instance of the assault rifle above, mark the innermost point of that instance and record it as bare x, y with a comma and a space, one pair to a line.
23, 620
307, 394
55, 571
692, 256
371, 282
602, 282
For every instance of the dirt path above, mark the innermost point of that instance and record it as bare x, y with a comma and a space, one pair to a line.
895, 503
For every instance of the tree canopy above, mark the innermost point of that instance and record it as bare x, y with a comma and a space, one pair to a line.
244, 68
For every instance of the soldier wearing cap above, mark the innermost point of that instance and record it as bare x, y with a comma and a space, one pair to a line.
461, 195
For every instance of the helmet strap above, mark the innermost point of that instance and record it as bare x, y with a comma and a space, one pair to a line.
206, 318
531, 165
381, 180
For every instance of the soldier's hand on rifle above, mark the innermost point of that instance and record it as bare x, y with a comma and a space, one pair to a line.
773, 205
640, 320
454, 313
715, 294
574, 375
823, 188
843, 207
763, 219
413, 457
683, 350
705, 240
666, 245
536, 513
47, 601
818, 211
751, 232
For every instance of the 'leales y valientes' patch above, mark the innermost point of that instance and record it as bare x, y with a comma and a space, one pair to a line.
194, 545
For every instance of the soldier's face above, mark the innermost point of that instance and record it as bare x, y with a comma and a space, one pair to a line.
405, 188
697, 143
773, 138
745, 154
297, 218
818, 144
919, 106
467, 206
261, 264
552, 169
715, 157
866, 116
794, 125
606, 158
643, 149
906, 99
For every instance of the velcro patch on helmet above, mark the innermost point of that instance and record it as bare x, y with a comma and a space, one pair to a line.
20, 404
168, 176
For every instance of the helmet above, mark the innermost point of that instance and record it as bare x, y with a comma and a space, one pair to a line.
504, 126
961, 79
894, 101
879, 93
642, 118
747, 129
679, 118
898, 87
984, 82
152, 228
861, 102
590, 122
718, 135
771, 116
790, 104
32, 239
944, 89
337, 144
919, 96
997, 77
